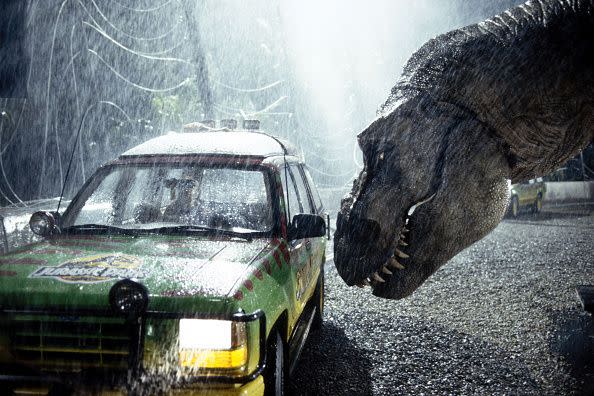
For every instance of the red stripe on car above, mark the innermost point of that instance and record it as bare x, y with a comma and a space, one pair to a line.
23, 261
258, 274
283, 221
57, 251
285, 251
222, 159
268, 267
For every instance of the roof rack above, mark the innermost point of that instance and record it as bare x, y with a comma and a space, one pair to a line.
216, 141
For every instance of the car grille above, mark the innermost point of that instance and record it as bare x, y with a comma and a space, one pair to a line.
70, 344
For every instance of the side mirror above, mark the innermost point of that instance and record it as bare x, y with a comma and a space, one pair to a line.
305, 225
44, 223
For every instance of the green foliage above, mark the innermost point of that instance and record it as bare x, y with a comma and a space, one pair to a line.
172, 111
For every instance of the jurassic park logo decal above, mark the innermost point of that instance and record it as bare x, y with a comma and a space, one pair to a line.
93, 269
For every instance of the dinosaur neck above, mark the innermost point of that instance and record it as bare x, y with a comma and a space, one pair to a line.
528, 74
544, 67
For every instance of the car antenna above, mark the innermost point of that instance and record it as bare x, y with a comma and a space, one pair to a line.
82, 120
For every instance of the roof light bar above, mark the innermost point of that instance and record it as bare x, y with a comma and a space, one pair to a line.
229, 124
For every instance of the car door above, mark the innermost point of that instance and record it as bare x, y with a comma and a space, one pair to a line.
310, 268
298, 248
318, 207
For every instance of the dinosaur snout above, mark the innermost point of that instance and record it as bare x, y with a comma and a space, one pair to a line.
359, 230
364, 231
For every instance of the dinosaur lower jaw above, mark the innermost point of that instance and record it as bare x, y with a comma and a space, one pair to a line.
397, 259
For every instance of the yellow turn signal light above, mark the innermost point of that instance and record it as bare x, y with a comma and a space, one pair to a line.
214, 359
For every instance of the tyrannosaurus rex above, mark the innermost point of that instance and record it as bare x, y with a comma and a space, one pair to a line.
508, 98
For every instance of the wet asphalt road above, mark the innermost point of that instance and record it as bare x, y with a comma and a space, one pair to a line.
502, 317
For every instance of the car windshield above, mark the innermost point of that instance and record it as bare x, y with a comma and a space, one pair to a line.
173, 196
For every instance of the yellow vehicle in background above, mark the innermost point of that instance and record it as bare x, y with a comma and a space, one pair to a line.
526, 195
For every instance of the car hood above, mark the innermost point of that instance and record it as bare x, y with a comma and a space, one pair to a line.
79, 270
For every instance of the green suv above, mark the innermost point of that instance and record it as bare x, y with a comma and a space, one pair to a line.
529, 194
174, 270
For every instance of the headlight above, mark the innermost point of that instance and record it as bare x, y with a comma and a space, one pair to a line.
42, 223
206, 343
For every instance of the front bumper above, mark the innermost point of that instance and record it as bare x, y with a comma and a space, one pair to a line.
251, 388
135, 378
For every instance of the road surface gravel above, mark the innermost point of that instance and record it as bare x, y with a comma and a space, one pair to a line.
502, 317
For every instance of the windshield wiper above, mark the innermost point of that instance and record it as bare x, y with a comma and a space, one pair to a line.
188, 229
93, 228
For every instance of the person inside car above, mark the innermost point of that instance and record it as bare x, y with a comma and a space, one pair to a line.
180, 208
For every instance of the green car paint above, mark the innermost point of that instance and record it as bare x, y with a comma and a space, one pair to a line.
214, 276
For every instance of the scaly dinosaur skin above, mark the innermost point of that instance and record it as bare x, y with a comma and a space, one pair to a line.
509, 98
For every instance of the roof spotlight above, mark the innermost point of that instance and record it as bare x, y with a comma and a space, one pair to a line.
128, 298
229, 124
251, 124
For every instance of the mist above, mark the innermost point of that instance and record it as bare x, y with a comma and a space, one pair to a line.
312, 72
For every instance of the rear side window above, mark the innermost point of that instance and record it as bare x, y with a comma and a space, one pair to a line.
292, 202
314, 191
302, 189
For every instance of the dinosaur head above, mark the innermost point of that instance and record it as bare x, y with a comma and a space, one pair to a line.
433, 182
503, 99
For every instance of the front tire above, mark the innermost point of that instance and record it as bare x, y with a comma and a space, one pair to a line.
275, 373
538, 204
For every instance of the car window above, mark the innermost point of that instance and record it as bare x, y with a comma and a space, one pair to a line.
293, 206
137, 192
99, 207
225, 185
302, 189
161, 195
314, 191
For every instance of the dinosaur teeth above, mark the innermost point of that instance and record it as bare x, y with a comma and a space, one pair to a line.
395, 264
386, 271
401, 254
402, 243
378, 278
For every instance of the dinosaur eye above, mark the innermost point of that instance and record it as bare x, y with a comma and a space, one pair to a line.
381, 156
